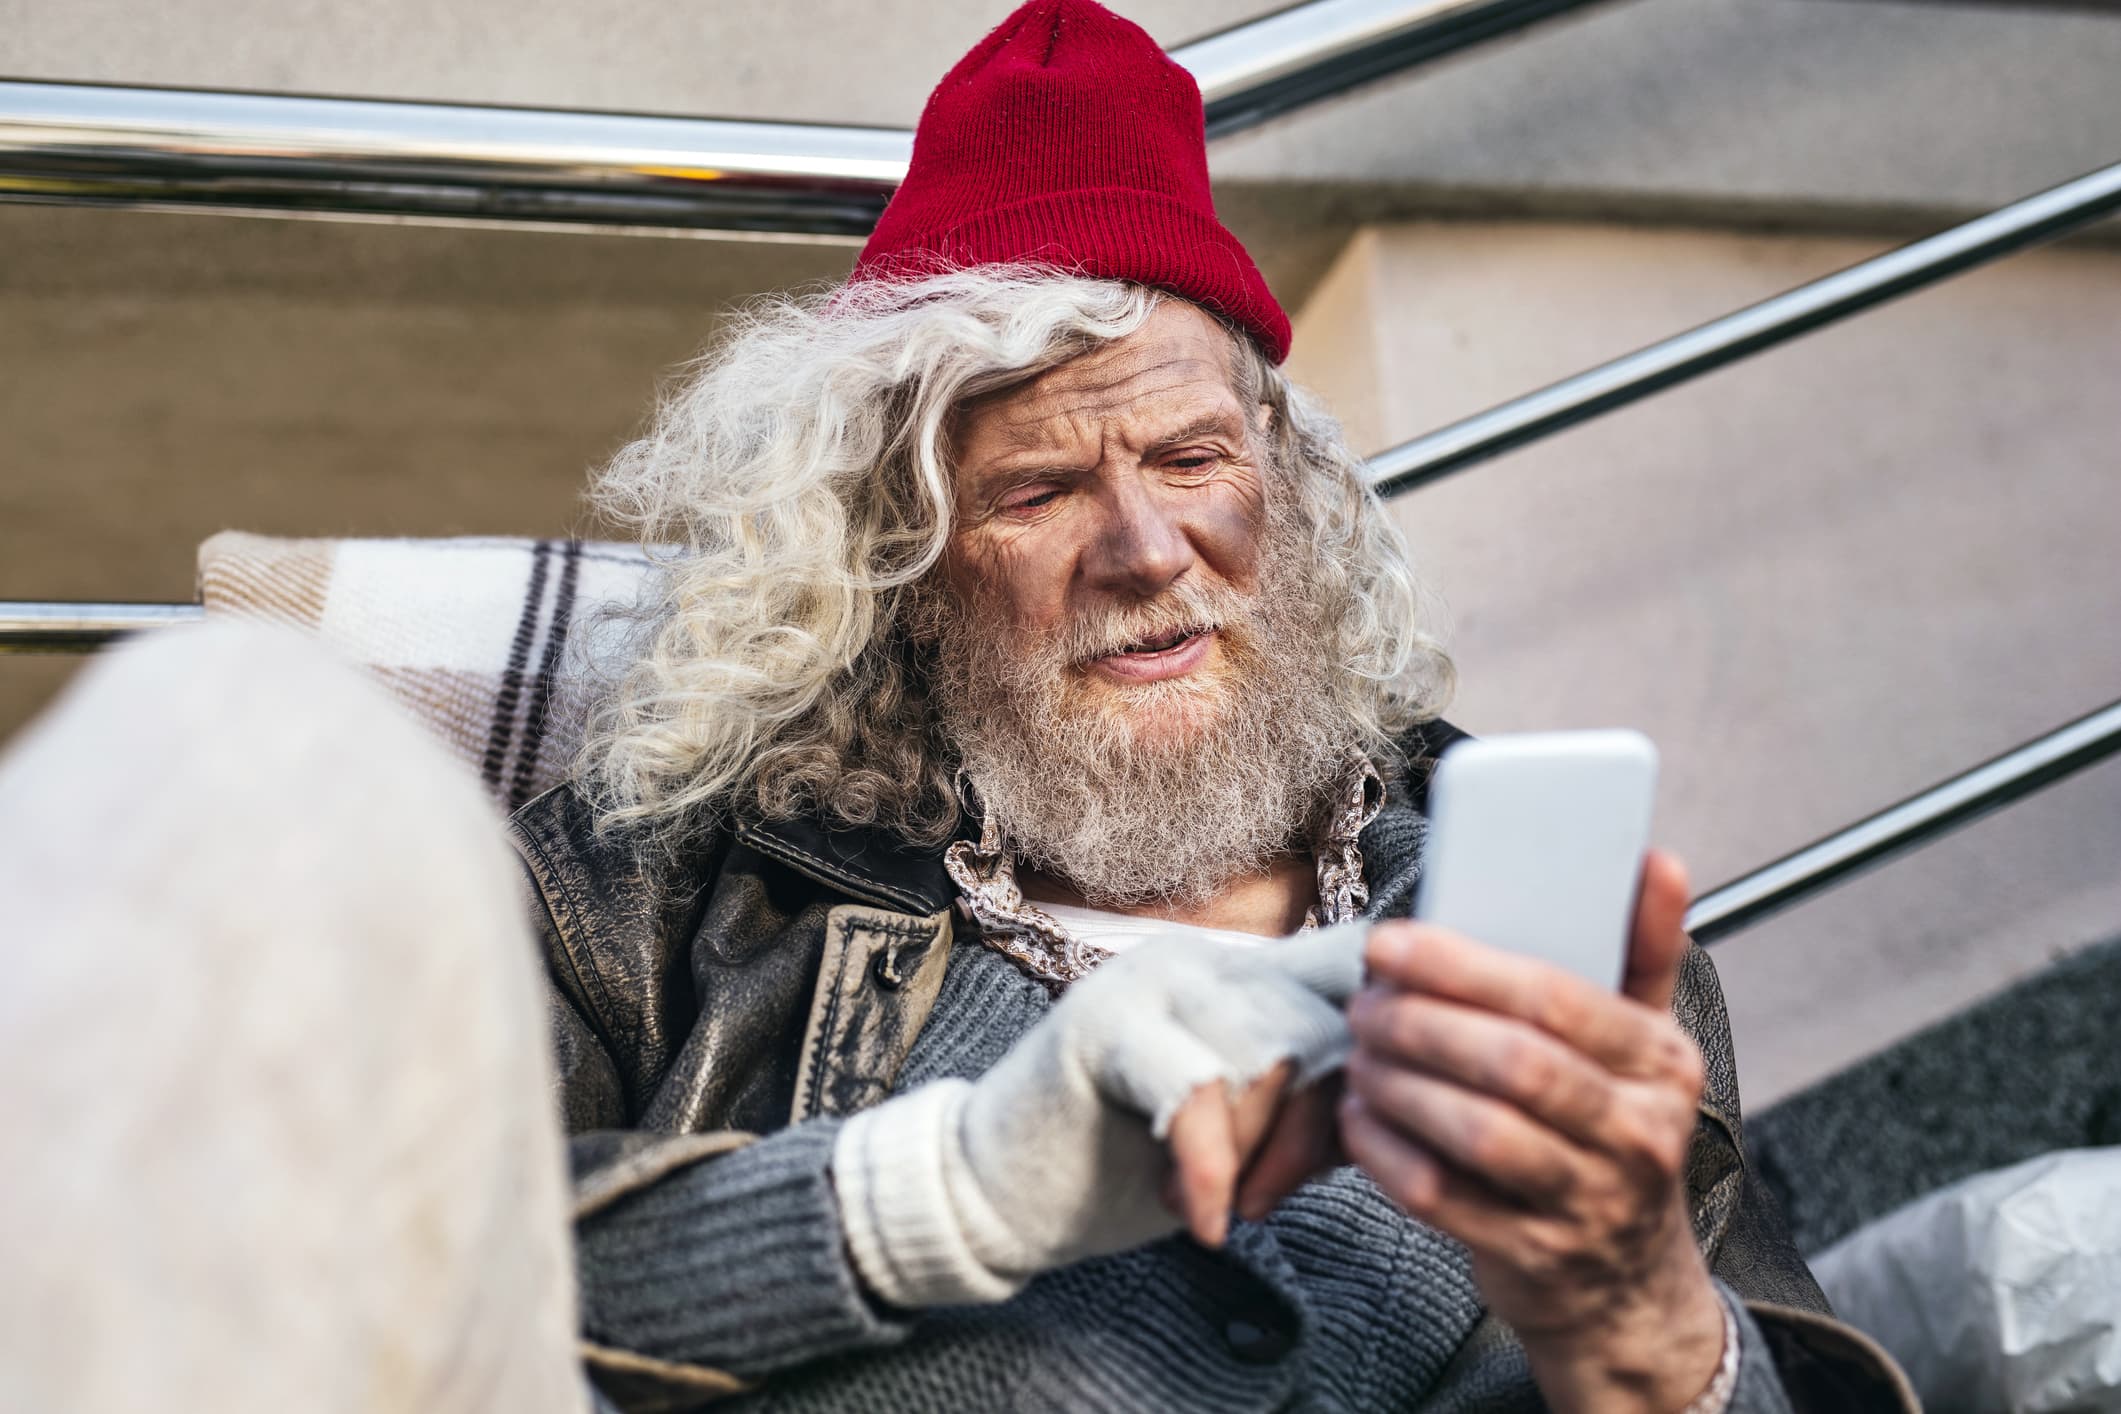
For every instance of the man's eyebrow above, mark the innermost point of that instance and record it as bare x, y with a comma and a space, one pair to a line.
1223, 422
1005, 477
1030, 465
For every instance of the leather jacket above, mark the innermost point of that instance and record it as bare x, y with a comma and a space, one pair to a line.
782, 970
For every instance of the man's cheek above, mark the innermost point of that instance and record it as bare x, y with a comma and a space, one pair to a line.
1229, 529
1016, 581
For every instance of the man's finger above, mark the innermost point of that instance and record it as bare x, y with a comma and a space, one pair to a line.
1659, 941
1496, 1055
1253, 1113
1617, 1031
1303, 1142
1482, 1135
1444, 1197
1205, 1162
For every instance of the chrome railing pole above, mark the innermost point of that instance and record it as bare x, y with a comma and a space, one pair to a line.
1915, 821
1748, 331
1265, 67
291, 156
282, 155
79, 628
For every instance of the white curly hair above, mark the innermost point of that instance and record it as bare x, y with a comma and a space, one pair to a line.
799, 475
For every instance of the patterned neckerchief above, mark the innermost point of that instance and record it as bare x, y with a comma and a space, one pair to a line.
1037, 942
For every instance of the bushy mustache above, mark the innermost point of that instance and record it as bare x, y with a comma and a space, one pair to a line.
1191, 606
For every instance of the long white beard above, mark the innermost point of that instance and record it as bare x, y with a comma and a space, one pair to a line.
1162, 790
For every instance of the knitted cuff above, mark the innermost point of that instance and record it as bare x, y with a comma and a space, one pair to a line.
896, 1169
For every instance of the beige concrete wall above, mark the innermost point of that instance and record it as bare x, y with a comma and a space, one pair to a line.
164, 377
1821, 579
836, 61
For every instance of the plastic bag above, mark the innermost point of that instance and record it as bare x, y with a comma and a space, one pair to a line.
2000, 1292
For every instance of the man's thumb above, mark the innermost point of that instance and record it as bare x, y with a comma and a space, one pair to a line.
1659, 942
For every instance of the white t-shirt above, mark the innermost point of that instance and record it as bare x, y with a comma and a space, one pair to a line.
1116, 932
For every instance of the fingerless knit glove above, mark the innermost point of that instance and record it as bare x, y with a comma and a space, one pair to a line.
961, 1191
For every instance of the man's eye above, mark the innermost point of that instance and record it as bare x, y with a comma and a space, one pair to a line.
1192, 461
1031, 501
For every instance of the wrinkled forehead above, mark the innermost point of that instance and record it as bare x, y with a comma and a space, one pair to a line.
1178, 370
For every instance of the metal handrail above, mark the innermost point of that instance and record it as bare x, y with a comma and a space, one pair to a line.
344, 158
80, 628
1790, 880
1662, 365
1915, 821
1713, 916
36, 627
1610, 385
1263, 68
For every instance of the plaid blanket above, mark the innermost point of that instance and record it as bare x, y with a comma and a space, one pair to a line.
489, 642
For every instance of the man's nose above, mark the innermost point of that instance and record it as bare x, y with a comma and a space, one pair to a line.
1143, 547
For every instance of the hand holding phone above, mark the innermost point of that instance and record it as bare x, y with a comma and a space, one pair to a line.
1536, 844
1544, 1122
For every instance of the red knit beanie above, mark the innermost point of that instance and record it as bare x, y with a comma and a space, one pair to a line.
1068, 138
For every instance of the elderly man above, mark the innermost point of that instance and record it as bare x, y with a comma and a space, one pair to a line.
1034, 655
958, 940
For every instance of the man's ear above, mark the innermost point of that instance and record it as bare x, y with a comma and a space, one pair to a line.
1263, 418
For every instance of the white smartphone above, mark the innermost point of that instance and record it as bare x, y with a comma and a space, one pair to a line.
1535, 844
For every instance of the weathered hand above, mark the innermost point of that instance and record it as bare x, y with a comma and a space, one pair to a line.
1545, 1123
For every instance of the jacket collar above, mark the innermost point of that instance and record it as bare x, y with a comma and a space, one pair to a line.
868, 863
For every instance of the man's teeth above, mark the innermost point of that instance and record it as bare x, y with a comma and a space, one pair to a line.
1159, 645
